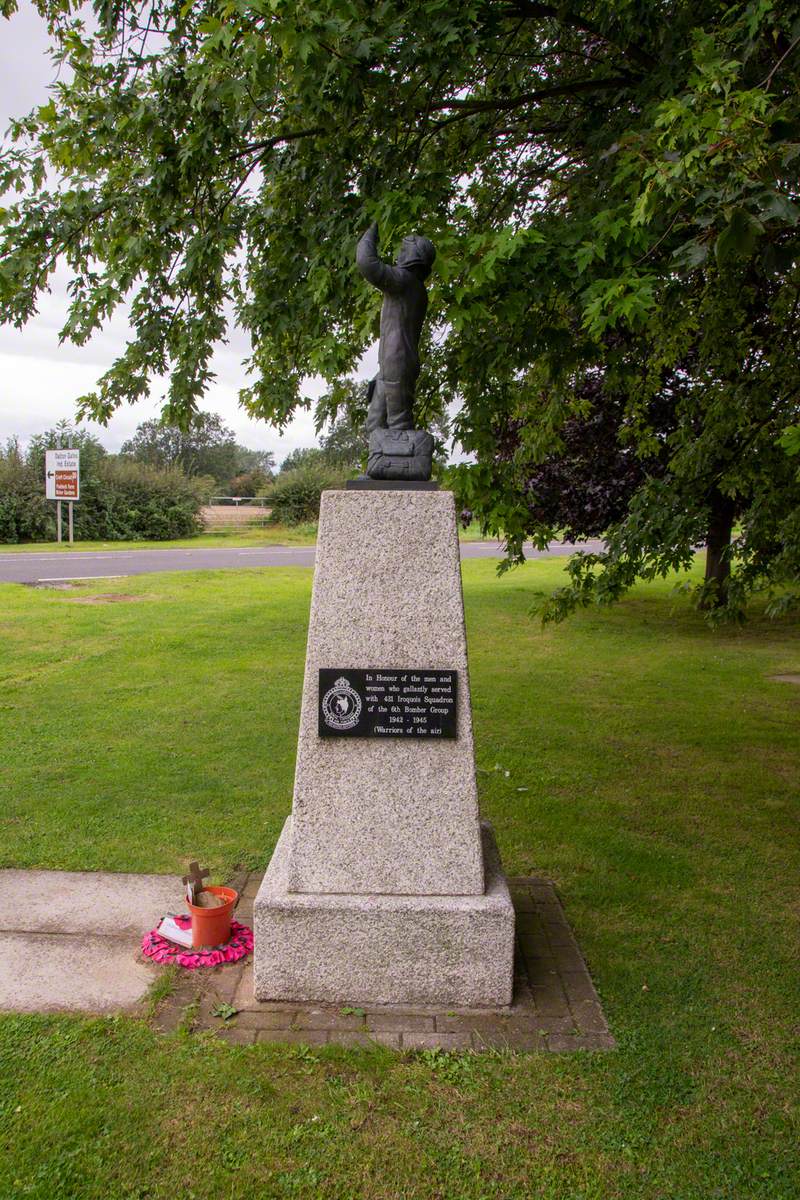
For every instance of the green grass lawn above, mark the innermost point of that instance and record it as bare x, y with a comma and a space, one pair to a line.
257, 535
646, 764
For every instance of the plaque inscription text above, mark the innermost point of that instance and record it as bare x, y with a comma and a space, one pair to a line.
387, 702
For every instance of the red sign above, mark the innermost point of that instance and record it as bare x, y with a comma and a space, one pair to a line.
66, 485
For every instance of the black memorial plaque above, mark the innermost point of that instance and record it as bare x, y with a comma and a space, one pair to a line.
387, 702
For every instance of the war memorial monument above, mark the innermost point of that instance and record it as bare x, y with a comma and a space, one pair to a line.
385, 887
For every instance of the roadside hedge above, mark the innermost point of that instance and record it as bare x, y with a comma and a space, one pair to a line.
120, 500
295, 495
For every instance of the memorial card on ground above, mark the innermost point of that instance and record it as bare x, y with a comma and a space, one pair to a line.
387, 702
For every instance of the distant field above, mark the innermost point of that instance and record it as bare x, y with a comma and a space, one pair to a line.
233, 516
644, 763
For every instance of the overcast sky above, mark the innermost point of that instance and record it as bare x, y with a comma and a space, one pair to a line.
39, 379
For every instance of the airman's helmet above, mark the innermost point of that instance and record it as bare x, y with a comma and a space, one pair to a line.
417, 251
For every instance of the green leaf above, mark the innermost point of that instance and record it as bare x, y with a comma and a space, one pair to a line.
691, 254
790, 439
774, 205
738, 238
224, 1011
46, 114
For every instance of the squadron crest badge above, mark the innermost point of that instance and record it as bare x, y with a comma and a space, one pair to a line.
341, 705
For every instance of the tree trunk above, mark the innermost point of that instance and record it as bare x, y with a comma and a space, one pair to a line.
718, 542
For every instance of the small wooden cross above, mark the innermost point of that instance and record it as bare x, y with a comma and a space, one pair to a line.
194, 880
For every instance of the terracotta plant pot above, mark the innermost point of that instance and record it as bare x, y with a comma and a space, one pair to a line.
212, 926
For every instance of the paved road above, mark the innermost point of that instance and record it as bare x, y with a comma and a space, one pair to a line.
49, 567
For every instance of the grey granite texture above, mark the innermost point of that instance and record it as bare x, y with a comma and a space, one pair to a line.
374, 815
359, 949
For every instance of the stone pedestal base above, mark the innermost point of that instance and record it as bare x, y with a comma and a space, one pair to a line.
373, 949
378, 815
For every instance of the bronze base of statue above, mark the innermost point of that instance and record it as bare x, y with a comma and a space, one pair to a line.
400, 454
363, 483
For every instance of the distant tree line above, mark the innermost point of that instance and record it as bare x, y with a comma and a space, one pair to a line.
121, 499
207, 448
155, 488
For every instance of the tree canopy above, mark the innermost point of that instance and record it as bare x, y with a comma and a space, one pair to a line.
611, 187
204, 446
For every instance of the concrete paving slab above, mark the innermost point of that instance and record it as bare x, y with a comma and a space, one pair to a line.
57, 973
84, 902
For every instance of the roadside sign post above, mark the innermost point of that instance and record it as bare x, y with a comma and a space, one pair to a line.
63, 482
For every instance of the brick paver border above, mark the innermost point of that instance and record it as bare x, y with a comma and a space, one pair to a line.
555, 1007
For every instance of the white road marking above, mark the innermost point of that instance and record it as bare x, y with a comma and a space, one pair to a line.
74, 578
116, 554
8, 558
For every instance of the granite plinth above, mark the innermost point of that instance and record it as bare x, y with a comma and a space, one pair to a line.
374, 815
373, 949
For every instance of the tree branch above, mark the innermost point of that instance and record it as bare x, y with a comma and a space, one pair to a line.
271, 143
768, 80
577, 88
530, 10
